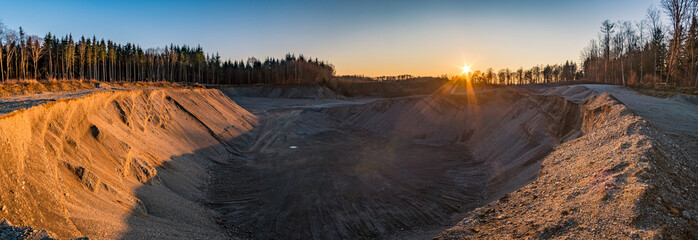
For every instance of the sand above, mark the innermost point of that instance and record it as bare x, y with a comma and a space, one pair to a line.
118, 164
527, 162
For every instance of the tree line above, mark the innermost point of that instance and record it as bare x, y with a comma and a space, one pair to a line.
403, 77
644, 52
569, 71
24, 56
647, 52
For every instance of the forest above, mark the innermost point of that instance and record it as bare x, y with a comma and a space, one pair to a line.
646, 51
536, 74
24, 57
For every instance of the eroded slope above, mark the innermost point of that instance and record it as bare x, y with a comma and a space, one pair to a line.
117, 164
622, 179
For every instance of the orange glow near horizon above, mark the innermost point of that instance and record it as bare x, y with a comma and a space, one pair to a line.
466, 69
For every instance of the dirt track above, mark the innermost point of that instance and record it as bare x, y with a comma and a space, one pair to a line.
677, 116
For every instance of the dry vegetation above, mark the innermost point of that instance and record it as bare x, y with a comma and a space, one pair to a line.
664, 91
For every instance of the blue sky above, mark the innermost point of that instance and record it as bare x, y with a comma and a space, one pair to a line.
358, 37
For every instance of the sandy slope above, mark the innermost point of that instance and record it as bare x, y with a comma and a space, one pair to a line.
17, 102
192, 164
10, 104
117, 164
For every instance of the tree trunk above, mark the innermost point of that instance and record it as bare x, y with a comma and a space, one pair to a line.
622, 70
2, 74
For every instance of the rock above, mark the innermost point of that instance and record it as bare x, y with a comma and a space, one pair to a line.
686, 215
102, 85
2, 208
635, 235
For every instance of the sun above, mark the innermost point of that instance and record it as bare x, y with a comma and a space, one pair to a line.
466, 69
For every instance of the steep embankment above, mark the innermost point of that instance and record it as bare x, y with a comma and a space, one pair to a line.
507, 129
622, 179
115, 164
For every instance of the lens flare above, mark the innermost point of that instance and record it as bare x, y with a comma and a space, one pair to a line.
466, 69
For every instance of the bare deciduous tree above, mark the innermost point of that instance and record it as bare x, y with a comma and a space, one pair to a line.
2, 31
10, 49
82, 50
606, 32
677, 10
35, 53
654, 18
641, 41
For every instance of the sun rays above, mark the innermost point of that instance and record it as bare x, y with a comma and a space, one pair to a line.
466, 69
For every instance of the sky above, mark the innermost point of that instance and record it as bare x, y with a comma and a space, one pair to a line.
372, 38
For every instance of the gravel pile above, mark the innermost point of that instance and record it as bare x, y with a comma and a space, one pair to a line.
623, 179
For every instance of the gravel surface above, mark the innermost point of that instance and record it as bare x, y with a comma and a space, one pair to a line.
677, 116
